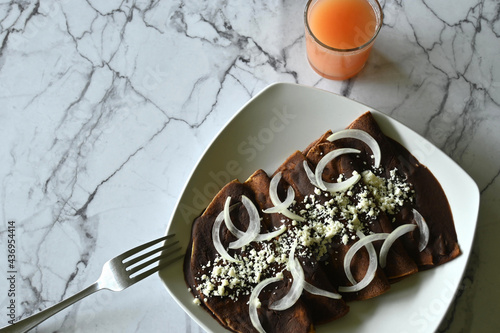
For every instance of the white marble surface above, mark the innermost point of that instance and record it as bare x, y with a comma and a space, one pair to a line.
105, 107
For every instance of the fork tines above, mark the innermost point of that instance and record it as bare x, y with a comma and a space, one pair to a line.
166, 250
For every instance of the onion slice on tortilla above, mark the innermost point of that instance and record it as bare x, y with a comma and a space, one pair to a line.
270, 235
227, 220
423, 228
253, 225
297, 285
370, 272
238, 233
254, 302
395, 234
295, 290
363, 136
273, 194
340, 186
363, 241
290, 196
320, 292
216, 238
310, 174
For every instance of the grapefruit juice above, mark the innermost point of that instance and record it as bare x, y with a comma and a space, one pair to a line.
340, 35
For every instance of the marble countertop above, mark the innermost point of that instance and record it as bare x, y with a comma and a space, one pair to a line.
106, 106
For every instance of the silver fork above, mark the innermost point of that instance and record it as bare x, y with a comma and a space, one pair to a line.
117, 274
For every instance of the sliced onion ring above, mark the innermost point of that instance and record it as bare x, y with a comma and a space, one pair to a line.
363, 241
310, 174
370, 272
270, 235
321, 292
238, 233
253, 225
273, 194
297, 285
293, 216
340, 186
216, 238
423, 228
295, 290
254, 302
227, 220
295, 264
360, 135
290, 196
395, 234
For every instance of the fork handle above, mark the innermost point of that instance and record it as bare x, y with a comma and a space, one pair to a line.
32, 321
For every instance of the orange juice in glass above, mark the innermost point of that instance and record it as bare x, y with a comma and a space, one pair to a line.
340, 34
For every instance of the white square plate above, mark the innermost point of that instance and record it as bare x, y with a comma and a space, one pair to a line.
287, 117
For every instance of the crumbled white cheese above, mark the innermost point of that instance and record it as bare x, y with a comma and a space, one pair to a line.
328, 217
345, 239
